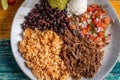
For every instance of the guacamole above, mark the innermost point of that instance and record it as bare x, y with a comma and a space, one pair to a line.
60, 4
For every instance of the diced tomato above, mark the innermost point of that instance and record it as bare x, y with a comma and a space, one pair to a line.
98, 9
99, 24
83, 18
101, 34
97, 39
11, 2
100, 43
107, 20
93, 16
104, 39
88, 28
92, 37
84, 31
104, 26
94, 21
104, 12
95, 6
98, 14
90, 9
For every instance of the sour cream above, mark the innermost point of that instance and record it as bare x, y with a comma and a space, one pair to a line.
77, 7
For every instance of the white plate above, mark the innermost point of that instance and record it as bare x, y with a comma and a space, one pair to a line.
111, 53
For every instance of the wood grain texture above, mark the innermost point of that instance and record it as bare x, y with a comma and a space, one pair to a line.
113, 76
8, 64
5, 49
13, 76
116, 5
6, 18
9, 70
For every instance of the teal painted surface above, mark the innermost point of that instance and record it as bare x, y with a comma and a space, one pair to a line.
13, 76
8, 64
9, 69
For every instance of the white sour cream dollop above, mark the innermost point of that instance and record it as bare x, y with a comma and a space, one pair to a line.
77, 7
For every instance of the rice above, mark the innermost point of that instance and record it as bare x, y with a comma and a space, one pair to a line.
41, 52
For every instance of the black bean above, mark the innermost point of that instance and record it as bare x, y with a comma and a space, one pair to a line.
63, 24
58, 21
44, 17
37, 5
47, 19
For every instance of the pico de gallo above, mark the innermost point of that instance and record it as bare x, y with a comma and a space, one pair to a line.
92, 24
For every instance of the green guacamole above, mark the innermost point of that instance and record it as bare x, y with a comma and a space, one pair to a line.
60, 4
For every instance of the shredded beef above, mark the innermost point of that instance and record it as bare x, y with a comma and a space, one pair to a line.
80, 56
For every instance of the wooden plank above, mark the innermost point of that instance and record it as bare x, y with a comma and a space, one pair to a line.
116, 5
21, 76
112, 77
5, 53
8, 64
5, 48
13, 76
116, 69
117, 65
6, 18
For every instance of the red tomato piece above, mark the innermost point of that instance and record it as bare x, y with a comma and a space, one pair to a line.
107, 20
84, 31
90, 9
99, 24
11, 2
94, 21
101, 34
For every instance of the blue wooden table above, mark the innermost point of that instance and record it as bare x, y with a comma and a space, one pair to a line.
9, 69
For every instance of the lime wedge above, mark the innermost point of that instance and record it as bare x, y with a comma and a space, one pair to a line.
4, 4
